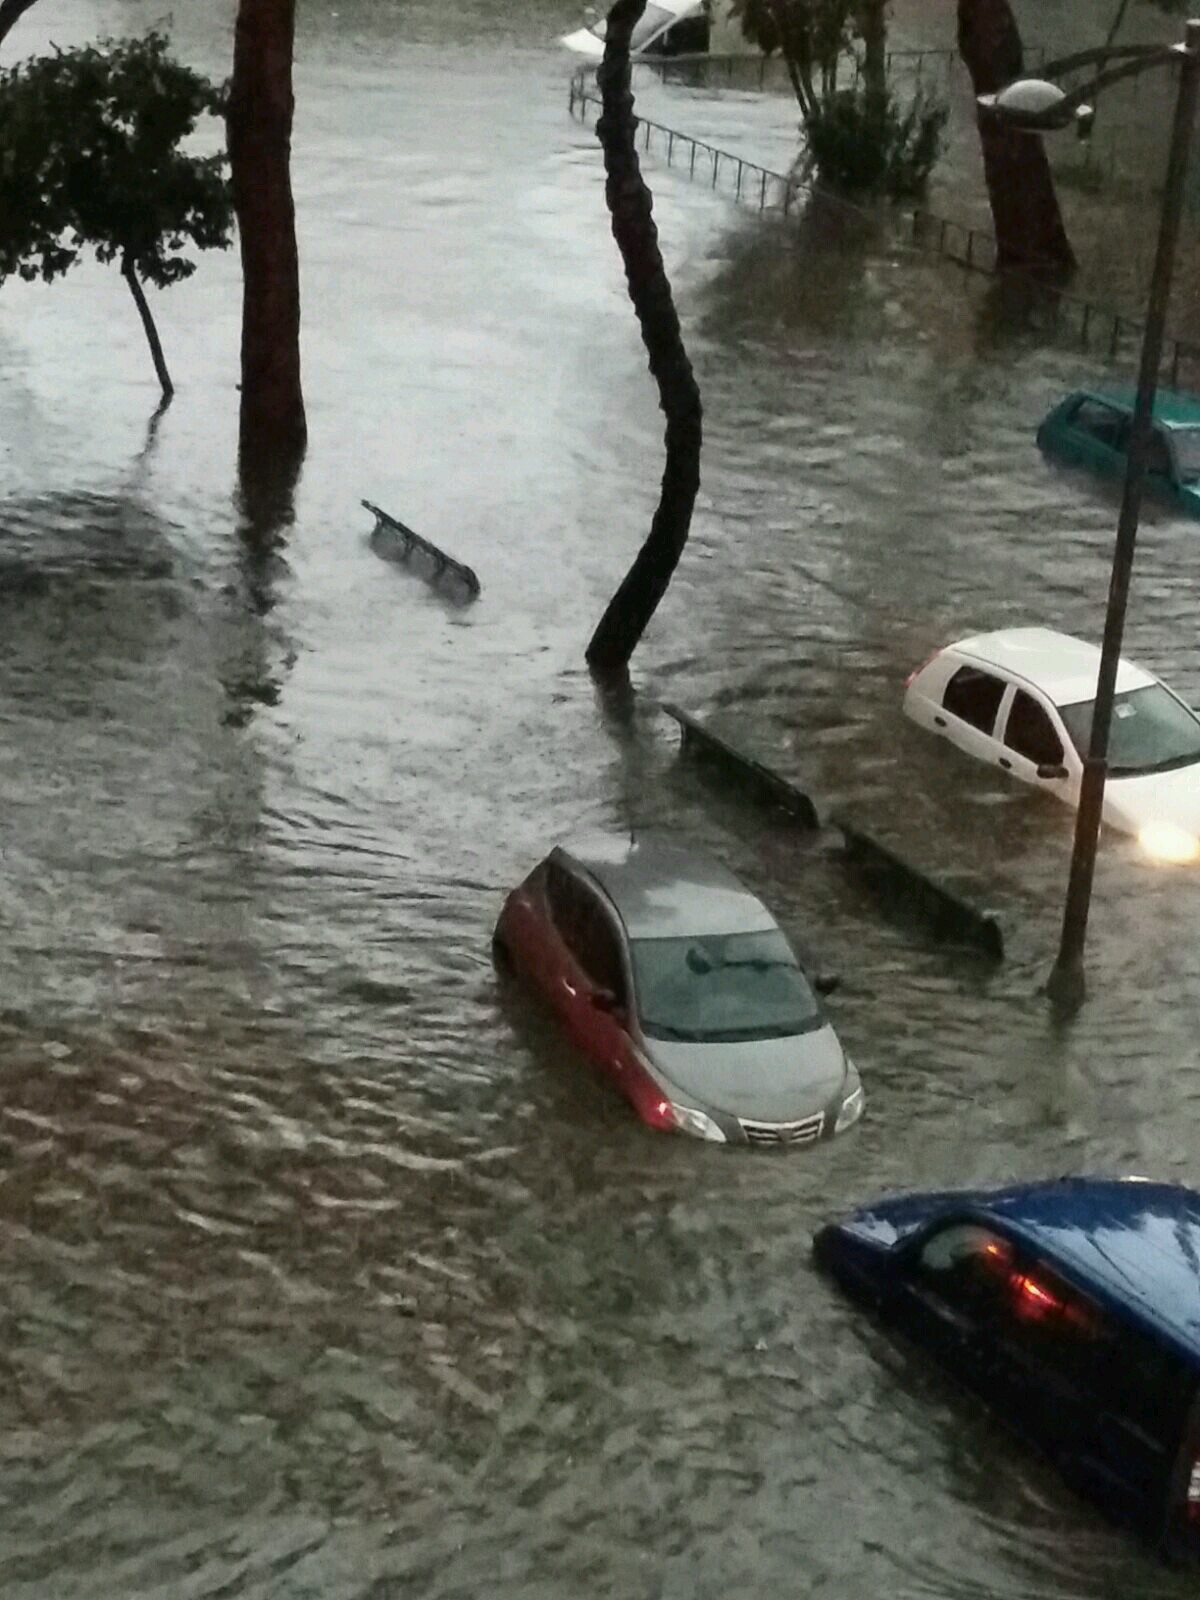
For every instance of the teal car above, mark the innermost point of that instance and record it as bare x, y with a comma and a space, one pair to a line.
1092, 428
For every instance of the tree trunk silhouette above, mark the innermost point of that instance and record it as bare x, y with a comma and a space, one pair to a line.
872, 28
261, 105
11, 12
1029, 226
631, 208
129, 273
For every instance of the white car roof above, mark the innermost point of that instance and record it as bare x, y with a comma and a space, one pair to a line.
1062, 667
667, 890
585, 41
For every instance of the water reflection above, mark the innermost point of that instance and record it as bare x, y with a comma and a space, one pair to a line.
327, 1267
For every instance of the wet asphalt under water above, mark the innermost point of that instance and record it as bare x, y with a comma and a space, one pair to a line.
327, 1270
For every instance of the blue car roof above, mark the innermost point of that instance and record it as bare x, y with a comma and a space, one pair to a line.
1175, 409
1135, 1245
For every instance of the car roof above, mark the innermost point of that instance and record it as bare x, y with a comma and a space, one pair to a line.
1135, 1245
1174, 409
1063, 667
664, 889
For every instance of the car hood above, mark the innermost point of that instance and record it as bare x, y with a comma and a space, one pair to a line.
767, 1080
1174, 797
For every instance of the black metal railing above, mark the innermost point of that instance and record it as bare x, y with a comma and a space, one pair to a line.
779, 196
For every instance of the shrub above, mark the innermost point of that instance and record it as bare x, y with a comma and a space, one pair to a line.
867, 143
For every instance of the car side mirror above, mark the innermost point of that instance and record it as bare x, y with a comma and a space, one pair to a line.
1051, 769
827, 982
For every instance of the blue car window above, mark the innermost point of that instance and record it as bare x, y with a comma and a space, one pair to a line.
1187, 450
1158, 456
967, 1267
1100, 422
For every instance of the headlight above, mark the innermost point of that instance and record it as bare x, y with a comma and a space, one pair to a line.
852, 1106
1164, 841
697, 1124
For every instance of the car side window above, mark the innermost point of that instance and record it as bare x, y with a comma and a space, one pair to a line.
1048, 1323
586, 929
1100, 422
967, 1267
1030, 732
974, 696
1158, 455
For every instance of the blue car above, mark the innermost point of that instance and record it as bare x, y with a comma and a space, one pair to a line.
1073, 1308
1092, 428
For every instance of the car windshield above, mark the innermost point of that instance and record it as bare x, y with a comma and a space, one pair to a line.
652, 19
721, 988
1151, 731
1187, 452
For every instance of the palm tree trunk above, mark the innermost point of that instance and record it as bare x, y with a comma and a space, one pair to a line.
11, 12
631, 208
261, 105
129, 273
1029, 225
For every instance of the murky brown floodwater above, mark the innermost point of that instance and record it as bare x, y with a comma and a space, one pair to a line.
326, 1272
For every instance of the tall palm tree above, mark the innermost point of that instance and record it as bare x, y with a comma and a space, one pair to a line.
631, 208
261, 105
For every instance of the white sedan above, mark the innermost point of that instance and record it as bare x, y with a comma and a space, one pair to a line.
659, 17
1022, 699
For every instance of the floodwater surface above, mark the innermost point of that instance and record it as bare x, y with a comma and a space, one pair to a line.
327, 1270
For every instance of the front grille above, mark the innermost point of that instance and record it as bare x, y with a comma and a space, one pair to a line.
802, 1132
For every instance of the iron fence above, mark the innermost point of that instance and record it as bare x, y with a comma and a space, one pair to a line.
780, 195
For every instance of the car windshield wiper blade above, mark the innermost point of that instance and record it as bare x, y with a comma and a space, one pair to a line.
665, 1030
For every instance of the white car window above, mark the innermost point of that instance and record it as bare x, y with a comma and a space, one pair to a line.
1030, 732
974, 696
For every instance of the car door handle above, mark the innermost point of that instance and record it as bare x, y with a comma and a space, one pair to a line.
1005, 762
940, 721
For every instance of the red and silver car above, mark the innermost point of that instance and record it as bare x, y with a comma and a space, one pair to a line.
679, 983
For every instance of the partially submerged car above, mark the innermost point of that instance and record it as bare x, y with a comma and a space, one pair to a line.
1072, 1307
678, 982
665, 27
1091, 427
1022, 699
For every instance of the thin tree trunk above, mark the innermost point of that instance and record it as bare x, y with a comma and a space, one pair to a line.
129, 273
261, 105
630, 205
1029, 226
872, 26
11, 12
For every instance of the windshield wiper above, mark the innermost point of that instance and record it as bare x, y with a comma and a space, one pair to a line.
664, 1030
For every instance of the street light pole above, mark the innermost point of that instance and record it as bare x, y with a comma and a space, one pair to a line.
1066, 985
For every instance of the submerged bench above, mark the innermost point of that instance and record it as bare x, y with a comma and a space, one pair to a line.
946, 912
769, 787
390, 530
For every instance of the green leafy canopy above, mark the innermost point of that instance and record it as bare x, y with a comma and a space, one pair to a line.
90, 159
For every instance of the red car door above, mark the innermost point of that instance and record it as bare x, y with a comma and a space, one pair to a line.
588, 986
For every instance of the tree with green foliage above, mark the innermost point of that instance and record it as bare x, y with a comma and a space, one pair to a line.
859, 136
90, 159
